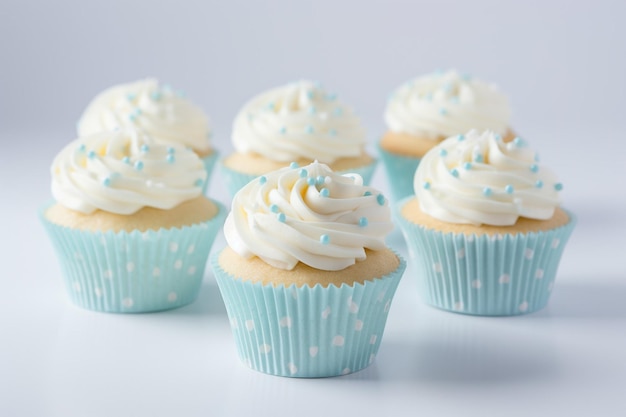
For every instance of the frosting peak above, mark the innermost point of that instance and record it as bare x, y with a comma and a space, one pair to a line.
165, 114
310, 215
447, 103
298, 120
477, 178
123, 171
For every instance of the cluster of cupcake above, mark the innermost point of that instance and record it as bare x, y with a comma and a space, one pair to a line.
307, 278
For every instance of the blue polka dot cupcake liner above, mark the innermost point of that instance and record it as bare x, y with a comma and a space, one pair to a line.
400, 173
488, 275
209, 164
307, 332
133, 272
236, 180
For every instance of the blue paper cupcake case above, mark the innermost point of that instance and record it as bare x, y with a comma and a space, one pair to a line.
307, 331
235, 180
400, 173
136, 272
209, 163
499, 275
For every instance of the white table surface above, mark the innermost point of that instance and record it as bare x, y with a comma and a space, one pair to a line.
60, 360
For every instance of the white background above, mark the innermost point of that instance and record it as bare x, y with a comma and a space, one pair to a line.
563, 65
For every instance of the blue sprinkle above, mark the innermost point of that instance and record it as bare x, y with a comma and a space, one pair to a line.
460, 138
331, 96
282, 130
144, 148
498, 137
91, 155
380, 199
312, 110
558, 186
426, 185
539, 184
303, 173
320, 180
443, 152
281, 217
509, 189
131, 96
324, 239
199, 182
293, 165
324, 192
270, 106
332, 132
106, 181
487, 191
138, 165
82, 147
274, 208
132, 117
310, 181
478, 158
262, 179
367, 193
443, 111
171, 150
519, 142
308, 129
454, 172
126, 160
467, 165
363, 221
534, 168
156, 95
338, 111
310, 94
171, 158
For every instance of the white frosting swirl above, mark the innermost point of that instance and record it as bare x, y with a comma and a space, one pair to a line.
477, 178
298, 120
310, 215
445, 104
158, 110
123, 171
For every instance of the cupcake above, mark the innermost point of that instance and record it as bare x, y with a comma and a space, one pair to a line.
163, 113
130, 226
307, 279
298, 122
485, 227
423, 112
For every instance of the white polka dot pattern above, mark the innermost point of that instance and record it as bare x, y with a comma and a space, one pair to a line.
319, 332
500, 275
134, 272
